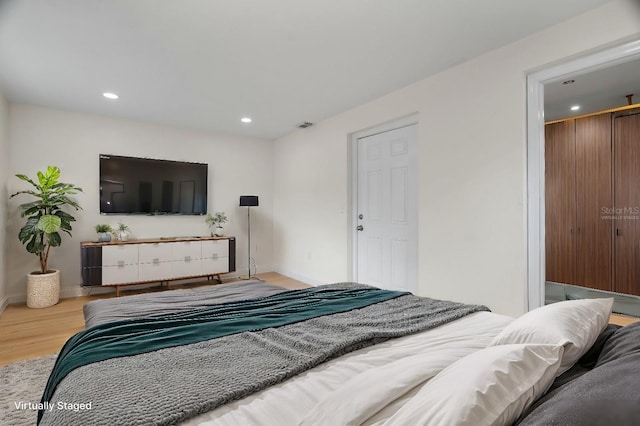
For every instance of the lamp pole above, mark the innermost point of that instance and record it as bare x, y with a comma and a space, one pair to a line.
249, 249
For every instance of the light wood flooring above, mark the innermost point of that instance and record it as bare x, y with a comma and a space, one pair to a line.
27, 333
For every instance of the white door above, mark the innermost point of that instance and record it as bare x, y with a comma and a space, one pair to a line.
387, 210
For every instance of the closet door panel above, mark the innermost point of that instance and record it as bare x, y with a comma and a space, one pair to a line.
560, 204
627, 203
594, 193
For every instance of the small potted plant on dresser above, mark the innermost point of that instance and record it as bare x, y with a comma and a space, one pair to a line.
122, 232
104, 232
45, 222
215, 223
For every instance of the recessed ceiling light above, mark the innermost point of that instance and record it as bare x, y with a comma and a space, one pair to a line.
575, 107
110, 95
245, 120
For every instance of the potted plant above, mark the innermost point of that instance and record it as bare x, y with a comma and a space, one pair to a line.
45, 221
216, 222
104, 232
122, 232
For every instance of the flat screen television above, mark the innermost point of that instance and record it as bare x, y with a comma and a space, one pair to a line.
130, 185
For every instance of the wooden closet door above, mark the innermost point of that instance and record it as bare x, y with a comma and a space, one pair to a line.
594, 191
627, 203
560, 201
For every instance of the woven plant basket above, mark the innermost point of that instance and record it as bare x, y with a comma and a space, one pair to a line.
43, 290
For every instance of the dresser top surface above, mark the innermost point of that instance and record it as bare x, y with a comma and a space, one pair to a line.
151, 241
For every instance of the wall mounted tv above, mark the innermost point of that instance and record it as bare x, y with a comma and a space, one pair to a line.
130, 185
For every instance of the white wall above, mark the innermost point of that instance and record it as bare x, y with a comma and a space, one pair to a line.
72, 141
472, 136
4, 175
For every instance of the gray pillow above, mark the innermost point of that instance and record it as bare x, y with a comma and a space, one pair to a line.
624, 342
606, 395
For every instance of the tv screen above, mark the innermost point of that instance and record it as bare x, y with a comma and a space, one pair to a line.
130, 185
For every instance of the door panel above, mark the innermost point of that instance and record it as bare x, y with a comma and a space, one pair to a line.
387, 202
560, 201
594, 237
374, 196
399, 189
627, 204
373, 265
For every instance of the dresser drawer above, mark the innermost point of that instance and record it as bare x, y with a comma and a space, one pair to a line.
118, 255
119, 274
155, 271
186, 268
154, 253
185, 250
215, 266
215, 249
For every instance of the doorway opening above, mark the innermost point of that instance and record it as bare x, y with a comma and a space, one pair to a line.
540, 84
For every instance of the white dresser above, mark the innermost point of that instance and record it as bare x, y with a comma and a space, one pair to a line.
162, 260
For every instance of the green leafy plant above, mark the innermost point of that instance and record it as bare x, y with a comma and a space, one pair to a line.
45, 217
216, 220
101, 228
121, 232
122, 227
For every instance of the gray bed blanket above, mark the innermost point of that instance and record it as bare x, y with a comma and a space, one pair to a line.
171, 385
164, 302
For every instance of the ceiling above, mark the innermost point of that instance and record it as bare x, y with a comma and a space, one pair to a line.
592, 91
204, 64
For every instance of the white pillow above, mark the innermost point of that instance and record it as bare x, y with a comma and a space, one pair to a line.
574, 324
492, 386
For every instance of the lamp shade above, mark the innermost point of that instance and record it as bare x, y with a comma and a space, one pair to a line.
248, 200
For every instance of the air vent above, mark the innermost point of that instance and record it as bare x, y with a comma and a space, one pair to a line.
305, 124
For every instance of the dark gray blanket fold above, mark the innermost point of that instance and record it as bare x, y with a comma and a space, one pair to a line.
142, 305
171, 385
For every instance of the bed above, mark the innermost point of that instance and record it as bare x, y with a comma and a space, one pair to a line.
250, 353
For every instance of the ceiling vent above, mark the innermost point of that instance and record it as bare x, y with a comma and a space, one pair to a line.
305, 124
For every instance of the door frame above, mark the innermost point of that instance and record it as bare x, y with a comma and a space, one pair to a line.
398, 123
623, 51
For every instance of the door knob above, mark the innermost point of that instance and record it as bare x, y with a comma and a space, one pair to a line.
360, 228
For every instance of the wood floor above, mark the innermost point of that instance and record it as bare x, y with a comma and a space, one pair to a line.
27, 333
622, 319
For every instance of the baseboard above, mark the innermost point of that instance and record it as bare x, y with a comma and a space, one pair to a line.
300, 277
17, 298
4, 302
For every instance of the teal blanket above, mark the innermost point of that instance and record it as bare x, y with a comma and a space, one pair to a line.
138, 336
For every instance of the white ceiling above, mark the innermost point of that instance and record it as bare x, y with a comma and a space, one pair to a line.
204, 64
593, 91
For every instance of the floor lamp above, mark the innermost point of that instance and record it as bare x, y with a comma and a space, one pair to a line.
249, 201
